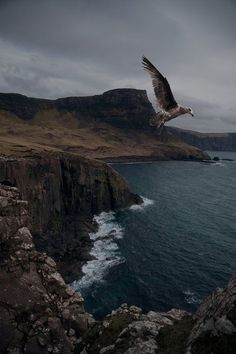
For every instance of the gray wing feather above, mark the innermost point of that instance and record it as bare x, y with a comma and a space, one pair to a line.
163, 93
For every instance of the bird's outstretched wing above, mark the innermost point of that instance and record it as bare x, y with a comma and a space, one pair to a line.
164, 95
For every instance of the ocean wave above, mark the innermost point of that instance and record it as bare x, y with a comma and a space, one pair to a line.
105, 251
132, 162
218, 164
146, 202
191, 297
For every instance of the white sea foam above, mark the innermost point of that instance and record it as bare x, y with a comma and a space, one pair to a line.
191, 297
105, 251
218, 164
146, 202
131, 162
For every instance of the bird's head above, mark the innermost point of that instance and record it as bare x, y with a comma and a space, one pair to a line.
190, 111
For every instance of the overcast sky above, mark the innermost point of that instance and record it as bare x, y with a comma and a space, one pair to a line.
56, 48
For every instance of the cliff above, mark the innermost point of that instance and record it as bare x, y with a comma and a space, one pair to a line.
64, 192
120, 107
57, 185
206, 141
111, 126
40, 314
215, 327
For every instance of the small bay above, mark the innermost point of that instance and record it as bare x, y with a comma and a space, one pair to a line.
175, 249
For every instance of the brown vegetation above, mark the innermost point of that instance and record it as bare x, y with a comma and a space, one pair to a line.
53, 130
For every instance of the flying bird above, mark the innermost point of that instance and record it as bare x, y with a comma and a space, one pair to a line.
170, 109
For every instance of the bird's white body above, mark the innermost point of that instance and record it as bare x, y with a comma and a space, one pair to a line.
170, 109
163, 116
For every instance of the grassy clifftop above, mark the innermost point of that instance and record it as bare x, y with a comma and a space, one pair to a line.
111, 128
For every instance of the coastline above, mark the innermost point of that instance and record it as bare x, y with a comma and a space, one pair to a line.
64, 193
143, 159
54, 320
104, 252
56, 183
40, 313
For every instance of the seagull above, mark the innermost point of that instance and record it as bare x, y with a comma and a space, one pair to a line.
170, 109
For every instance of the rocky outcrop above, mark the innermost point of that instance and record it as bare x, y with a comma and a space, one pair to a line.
206, 141
64, 192
215, 329
60, 185
212, 330
39, 313
127, 330
119, 107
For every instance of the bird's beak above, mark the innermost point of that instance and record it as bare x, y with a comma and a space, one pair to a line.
192, 114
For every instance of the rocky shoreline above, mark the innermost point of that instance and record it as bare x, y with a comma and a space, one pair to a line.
206, 141
39, 313
64, 192
49, 194
130, 159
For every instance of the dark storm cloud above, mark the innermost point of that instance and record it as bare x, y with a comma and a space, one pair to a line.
53, 48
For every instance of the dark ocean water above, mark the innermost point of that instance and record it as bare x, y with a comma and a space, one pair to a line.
173, 251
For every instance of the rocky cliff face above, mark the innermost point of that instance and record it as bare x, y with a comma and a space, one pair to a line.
38, 312
215, 328
64, 192
206, 141
128, 108
212, 330
120, 107
60, 185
